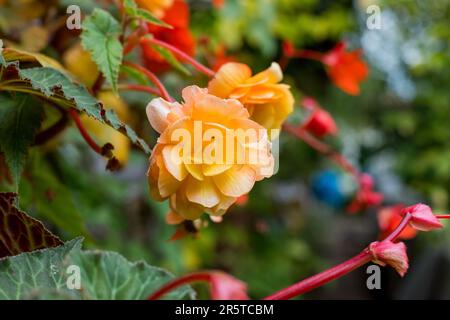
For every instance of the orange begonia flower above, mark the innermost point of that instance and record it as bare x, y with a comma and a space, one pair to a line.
268, 102
179, 36
188, 163
346, 69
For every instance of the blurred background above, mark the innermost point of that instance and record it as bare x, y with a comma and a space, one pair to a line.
295, 223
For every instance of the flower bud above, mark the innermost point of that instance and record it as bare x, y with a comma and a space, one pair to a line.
392, 254
422, 218
226, 287
321, 123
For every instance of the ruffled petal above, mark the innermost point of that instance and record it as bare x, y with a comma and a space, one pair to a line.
157, 111
167, 184
202, 192
215, 169
173, 162
195, 170
273, 74
184, 207
229, 76
236, 181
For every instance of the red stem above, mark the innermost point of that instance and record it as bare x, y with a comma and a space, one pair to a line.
322, 278
323, 148
74, 115
308, 54
193, 277
182, 55
443, 216
153, 78
132, 41
138, 87
303, 286
397, 231
335, 272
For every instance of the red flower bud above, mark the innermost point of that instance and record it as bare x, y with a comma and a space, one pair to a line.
321, 123
422, 218
392, 254
226, 287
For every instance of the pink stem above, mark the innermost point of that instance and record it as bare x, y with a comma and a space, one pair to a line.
336, 272
182, 55
322, 278
394, 234
132, 41
138, 87
323, 148
153, 78
193, 277
309, 54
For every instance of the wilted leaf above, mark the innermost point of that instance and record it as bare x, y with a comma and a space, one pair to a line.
19, 232
58, 88
20, 119
11, 54
104, 275
100, 37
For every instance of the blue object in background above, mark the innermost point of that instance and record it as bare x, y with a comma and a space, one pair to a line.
327, 186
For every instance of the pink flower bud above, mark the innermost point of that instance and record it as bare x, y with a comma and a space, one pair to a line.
389, 253
366, 181
422, 218
310, 103
226, 287
321, 123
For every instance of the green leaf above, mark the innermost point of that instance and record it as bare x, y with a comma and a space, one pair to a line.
43, 192
20, 118
111, 118
133, 11
104, 275
52, 83
170, 58
19, 232
100, 37
2, 60
134, 74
